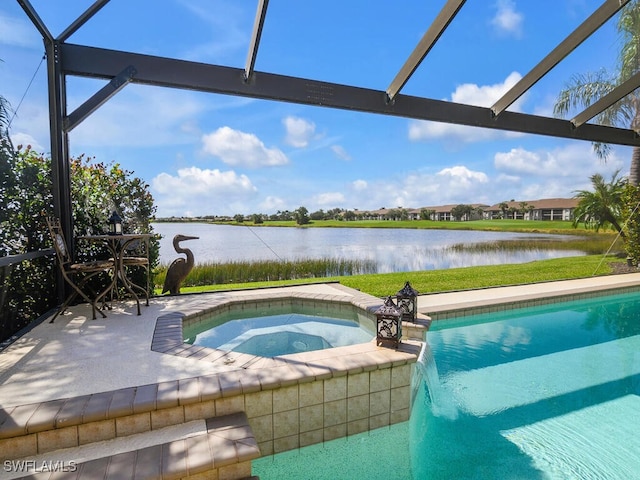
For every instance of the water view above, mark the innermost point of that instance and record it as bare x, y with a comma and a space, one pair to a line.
392, 250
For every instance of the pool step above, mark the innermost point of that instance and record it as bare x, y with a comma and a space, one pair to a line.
220, 448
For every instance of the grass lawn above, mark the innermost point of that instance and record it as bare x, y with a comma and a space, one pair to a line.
531, 226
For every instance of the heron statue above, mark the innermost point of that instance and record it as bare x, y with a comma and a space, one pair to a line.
180, 267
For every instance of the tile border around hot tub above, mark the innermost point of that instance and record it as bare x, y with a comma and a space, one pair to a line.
168, 332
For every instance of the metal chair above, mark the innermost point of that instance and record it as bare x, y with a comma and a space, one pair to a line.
78, 274
135, 253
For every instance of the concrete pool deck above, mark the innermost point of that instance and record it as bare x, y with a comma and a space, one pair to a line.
125, 391
104, 369
67, 358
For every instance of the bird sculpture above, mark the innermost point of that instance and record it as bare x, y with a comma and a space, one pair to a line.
180, 267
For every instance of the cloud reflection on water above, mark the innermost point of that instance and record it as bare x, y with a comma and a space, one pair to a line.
392, 250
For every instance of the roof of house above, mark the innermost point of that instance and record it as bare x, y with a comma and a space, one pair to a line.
538, 204
544, 203
448, 208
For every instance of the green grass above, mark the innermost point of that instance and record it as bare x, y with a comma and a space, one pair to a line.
214, 273
453, 279
592, 245
531, 226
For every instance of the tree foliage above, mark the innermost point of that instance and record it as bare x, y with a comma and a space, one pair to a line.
631, 206
583, 89
602, 207
302, 216
462, 212
26, 199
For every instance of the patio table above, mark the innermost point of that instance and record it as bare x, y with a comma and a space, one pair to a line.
119, 247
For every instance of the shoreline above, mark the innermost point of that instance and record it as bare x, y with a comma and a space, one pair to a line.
555, 227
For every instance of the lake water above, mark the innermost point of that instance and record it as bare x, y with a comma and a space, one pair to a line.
393, 250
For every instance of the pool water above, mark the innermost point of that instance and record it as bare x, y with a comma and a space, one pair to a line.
281, 330
548, 392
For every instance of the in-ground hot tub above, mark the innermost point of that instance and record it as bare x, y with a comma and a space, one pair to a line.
271, 328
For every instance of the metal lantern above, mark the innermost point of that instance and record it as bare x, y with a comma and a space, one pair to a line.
407, 299
388, 323
115, 224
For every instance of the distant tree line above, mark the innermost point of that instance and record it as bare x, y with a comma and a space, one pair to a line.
460, 212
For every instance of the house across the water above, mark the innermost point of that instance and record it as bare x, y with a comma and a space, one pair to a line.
543, 209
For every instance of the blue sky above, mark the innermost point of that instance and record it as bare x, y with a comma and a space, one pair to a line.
206, 154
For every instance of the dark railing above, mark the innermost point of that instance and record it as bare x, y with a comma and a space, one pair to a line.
27, 290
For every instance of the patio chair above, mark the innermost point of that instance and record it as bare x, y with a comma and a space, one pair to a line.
78, 274
134, 253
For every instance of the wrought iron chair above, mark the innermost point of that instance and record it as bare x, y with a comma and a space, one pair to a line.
78, 274
134, 253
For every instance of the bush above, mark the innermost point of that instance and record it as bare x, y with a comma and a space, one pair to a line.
631, 212
26, 199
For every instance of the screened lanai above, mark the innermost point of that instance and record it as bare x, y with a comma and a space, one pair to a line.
76, 51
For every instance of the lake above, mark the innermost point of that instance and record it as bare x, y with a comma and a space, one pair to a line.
393, 250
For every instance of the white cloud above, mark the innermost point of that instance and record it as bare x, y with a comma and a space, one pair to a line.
457, 184
238, 148
154, 117
331, 199
299, 131
573, 160
420, 130
485, 95
18, 33
462, 176
521, 161
25, 139
201, 192
359, 185
470, 94
272, 204
508, 179
340, 152
558, 172
507, 19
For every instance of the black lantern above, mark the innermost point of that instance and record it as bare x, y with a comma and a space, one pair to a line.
407, 299
115, 224
388, 323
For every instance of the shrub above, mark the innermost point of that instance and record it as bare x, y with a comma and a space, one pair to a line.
27, 198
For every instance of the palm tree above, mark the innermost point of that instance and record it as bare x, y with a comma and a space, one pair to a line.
4, 115
602, 207
4, 120
583, 90
504, 208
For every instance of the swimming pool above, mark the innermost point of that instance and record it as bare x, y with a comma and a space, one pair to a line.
549, 392
268, 330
